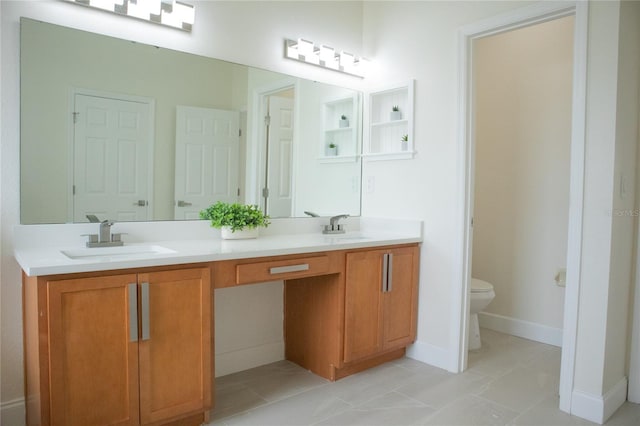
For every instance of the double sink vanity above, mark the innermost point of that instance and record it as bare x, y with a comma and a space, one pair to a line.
124, 335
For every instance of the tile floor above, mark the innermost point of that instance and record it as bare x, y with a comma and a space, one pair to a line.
510, 381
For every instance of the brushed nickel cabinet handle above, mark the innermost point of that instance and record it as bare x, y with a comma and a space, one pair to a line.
133, 312
290, 268
385, 272
144, 302
390, 272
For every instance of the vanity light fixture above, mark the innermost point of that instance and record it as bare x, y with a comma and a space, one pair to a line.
173, 13
324, 56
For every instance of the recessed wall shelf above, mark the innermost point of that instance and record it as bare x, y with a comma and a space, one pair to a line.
343, 133
390, 121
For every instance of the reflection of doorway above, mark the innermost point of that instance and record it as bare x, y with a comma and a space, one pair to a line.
112, 148
207, 150
277, 192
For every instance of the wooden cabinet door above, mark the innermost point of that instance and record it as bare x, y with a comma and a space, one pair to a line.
93, 351
363, 304
175, 343
400, 299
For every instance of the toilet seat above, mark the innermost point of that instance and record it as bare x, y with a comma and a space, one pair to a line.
479, 286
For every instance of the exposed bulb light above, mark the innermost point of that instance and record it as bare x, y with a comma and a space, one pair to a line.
173, 13
324, 56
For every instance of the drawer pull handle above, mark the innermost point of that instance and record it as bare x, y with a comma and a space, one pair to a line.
290, 268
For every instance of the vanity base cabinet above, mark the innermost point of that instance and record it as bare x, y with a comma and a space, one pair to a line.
121, 349
343, 323
380, 303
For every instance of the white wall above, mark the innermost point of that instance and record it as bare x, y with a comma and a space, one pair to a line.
608, 229
623, 215
523, 96
223, 29
419, 40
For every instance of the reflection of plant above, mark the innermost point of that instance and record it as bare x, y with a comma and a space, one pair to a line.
395, 108
236, 216
343, 117
405, 138
332, 145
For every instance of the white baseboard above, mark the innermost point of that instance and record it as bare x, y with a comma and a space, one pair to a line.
244, 359
12, 413
526, 329
598, 408
432, 355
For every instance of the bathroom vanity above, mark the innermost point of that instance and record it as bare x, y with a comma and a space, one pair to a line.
129, 340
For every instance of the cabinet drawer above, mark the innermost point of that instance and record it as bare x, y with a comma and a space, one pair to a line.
282, 269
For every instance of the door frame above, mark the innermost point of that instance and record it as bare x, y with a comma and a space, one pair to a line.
519, 18
256, 155
151, 104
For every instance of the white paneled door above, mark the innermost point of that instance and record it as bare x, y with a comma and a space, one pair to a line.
111, 144
280, 166
207, 156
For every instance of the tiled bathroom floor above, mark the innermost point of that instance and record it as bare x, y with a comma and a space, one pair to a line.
510, 381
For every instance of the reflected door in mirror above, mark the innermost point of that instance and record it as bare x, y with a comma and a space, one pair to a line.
280, 157
111, 142
207, 159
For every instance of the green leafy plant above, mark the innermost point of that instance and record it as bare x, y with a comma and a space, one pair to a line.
332, 145
405, 138
343, 117
236, 216
395, 108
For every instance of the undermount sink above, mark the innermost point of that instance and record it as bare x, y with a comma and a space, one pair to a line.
111, 252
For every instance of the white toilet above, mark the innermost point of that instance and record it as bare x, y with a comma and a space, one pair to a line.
481, 295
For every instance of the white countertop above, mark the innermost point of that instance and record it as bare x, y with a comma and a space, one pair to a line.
50, 260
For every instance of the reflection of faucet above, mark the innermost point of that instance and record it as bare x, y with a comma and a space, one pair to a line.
104, 238
334, 227
312, 214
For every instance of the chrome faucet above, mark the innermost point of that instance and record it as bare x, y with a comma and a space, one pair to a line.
104, 238
334, 227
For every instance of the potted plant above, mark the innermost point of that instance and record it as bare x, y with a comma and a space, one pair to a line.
344, 121
332, 150
235, 221
395, 114
404, 143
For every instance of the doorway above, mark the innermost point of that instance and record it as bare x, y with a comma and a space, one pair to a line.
522, 136
520, 18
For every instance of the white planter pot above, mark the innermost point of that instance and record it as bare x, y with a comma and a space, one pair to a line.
404, 145
343, 123
239, 234
395, 115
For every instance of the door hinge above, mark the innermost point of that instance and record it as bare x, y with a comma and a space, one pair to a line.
265, 192
239, 132
73, 189
75, 117
267, 120
238, 192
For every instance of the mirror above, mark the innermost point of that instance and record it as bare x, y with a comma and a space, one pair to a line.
127, 131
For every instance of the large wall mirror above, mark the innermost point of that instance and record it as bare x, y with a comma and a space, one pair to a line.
127, 131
